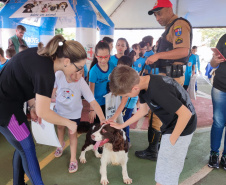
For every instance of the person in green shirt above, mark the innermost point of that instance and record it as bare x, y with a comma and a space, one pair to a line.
15, 41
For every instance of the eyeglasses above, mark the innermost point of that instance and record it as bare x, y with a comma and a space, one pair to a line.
103, 57
78, 69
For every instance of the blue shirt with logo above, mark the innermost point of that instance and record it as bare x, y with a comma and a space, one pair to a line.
114, 60
148, 53
188, 72
139, 63
101, 79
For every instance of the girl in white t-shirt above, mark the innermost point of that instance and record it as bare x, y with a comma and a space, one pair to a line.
69, 105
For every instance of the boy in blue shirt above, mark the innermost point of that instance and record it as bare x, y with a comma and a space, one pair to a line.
10, 52
3, 60
191, 68
197, 64
148, 40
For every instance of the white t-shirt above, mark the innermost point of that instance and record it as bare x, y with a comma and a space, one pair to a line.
68, 99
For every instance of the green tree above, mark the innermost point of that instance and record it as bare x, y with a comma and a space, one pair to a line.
212, 35
68, 34
1, 5
59, 31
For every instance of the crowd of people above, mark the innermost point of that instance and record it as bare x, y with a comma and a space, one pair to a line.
150, 80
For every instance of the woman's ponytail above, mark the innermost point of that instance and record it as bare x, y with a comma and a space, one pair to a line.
58, 47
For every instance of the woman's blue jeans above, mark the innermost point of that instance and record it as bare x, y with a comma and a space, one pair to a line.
219, 119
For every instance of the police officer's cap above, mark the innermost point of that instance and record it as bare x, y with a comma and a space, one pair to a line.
159, 5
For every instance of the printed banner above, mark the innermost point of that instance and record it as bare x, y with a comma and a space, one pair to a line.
32, 41
66, 22
44, 9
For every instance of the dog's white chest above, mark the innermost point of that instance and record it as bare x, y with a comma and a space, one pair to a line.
115, 158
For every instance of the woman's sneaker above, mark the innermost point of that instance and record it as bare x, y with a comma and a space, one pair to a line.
214, 160
73, 167
223, 161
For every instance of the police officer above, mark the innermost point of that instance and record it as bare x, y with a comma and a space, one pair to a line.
172, 53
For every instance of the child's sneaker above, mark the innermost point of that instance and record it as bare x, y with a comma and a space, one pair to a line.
73, 167
223, 161
214, 160
59, 151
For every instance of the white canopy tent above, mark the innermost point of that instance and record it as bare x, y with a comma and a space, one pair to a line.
133, 14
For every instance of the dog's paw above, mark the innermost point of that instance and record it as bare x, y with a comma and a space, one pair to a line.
82, 160
127, 181
98, 155
104, 181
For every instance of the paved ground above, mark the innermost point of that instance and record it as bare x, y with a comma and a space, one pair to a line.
141, 171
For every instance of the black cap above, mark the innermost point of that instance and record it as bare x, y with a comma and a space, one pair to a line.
154, 10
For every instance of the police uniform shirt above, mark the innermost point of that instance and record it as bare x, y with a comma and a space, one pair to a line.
220, 75
179, 33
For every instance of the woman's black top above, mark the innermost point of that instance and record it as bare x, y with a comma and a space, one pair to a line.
22, 77
220, 77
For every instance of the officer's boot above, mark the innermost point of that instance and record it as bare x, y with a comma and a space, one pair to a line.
151, 152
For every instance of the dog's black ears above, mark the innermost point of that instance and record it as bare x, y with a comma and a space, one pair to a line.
66, 5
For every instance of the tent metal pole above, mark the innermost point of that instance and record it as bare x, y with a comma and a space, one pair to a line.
177, 6
123, 1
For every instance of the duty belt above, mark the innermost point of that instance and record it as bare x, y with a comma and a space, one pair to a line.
174, 71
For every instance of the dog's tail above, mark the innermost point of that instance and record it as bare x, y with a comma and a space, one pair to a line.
83, 127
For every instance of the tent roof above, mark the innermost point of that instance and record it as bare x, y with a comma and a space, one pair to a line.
133, 14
